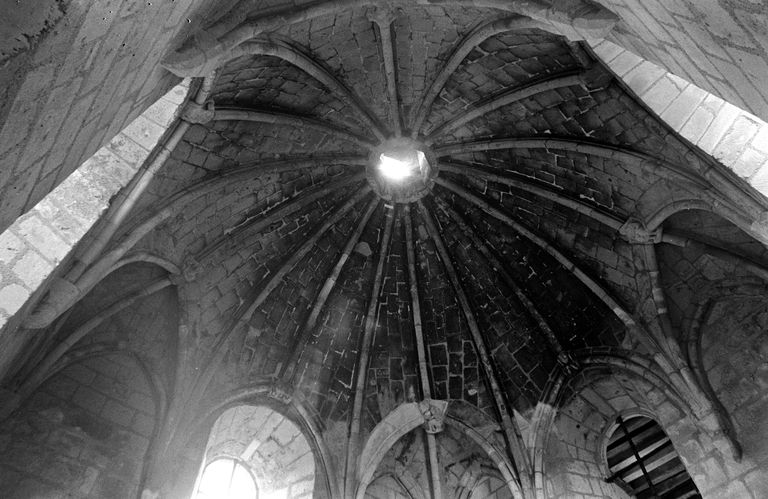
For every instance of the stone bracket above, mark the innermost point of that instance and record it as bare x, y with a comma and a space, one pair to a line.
281, 392
60, 292
191, 269
383, 14
434, 415
198, 114
568, 364
635, 232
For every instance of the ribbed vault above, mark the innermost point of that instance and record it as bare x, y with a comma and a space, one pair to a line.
524, 252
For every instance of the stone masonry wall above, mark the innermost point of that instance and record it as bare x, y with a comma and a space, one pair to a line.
574, 466
734, 137
719, 45
273, 447
74, 74
84, 433
735, 355
38, 243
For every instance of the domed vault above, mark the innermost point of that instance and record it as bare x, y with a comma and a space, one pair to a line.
480, 280
513, 253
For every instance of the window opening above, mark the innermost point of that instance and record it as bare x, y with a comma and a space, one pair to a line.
226, 479
643, 461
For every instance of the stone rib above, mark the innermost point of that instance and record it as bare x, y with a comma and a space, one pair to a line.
504, 99
383, 20
43, 370
211, 50
286, 119
260, 221
505, 275
243, 312
525, 185
72, 292
353, 444
637, 159
475, 38
293, 55
554, 252
511, 431
426, 389
288, 371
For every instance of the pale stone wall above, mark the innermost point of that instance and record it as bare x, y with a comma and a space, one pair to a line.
33, 248
734, 137
719, 45
82, 72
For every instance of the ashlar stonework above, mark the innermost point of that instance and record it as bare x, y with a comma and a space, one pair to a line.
204, 265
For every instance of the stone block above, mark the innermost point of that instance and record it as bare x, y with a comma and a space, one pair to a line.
128, 150
42, 238
11, 247
12, 297
606, 50
32, 269
697, 124
162, 112
734, 489
117, 413
88, 399
624, 63
643, 76
749, 163
683, 106
760, 141
738, 135
722, 122
756, 482
662, 94
708, 474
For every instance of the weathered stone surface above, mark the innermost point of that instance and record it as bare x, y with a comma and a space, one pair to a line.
252, 295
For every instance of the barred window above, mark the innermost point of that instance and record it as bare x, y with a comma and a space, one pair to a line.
643, 461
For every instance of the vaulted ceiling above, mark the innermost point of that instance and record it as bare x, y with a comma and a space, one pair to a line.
484, 281
269, 254
539, 157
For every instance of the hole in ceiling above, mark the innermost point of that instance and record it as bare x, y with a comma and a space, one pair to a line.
402, 164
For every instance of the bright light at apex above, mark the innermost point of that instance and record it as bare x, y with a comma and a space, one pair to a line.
401, 164
395, 169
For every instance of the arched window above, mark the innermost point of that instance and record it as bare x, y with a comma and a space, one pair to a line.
226, 478
643, 461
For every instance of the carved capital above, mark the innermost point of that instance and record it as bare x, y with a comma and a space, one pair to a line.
191, 269
634, 231
61, 295
567, 363
198, 114
434, 414
383, 14
281, 392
